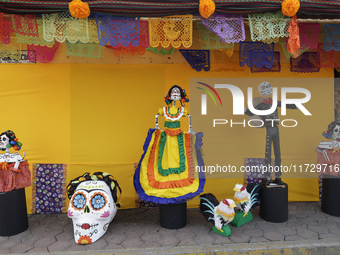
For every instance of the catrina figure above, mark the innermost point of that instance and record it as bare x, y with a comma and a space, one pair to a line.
166, 171
329, 151
93, 205
14, 170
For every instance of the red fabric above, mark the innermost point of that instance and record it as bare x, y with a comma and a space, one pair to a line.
332, 167
11, 179
269, 101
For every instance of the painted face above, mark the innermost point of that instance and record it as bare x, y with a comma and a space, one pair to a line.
175, 94
4, 140
336, 132
265, 89
91, 209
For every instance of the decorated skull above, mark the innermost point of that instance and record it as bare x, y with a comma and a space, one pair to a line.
175, 94
4, 141
336, 132
265, 89
92, 207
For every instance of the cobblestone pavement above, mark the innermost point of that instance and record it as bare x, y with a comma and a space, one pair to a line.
140, 228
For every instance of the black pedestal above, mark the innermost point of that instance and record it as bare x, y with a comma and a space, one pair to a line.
274, 203
173, 216
330, 202
13, 212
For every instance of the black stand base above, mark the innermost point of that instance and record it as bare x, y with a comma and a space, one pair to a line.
274, 203
173, 216
13, 213
330, 202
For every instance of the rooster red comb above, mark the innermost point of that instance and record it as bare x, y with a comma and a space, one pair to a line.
243, 188
225, 201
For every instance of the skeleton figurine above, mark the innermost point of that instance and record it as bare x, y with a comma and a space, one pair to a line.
271, 122
330, 148
92, 205
8, 140
174, 95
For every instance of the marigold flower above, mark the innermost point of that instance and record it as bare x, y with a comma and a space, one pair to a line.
206, 8
79, 9
290, 7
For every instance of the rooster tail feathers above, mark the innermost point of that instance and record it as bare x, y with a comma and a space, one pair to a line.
207, 204
254, 190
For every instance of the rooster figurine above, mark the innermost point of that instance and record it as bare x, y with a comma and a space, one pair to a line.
220, 213
244, 202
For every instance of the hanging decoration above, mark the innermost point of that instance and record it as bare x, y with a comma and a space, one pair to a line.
25, 25
290, 7
161, 51
1, 25
198, 59
226, 63
332, 37
275, 68
36, 40
93, 32
293, 44
269, 25
117, 30
49, 188
171, 31
7, 28
79, 9
328, 59
61, 26
144, 34
206, 8
229, 27
288, 54
229, 52
118, 50
271, 40
42, 54
11, 50
210, 40
86, 50
309, 35
256, 53
305, 63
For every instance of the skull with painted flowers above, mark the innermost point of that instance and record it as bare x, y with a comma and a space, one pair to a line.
93, 205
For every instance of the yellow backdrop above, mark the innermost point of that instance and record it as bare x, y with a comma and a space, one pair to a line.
95, 117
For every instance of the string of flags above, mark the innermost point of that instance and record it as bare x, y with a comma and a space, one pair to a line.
83, 36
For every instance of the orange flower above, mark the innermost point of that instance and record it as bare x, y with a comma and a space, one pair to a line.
78, 9
290, 7
293, 44
84, 240
206, 8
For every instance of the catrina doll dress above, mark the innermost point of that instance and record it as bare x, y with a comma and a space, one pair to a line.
11, 179
166, 173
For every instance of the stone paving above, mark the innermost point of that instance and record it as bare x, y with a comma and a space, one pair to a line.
140, 228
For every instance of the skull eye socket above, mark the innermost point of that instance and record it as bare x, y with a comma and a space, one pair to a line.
78, 201
336, 130
98, 201
4, 138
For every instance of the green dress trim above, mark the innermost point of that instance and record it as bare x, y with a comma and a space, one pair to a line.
172, 124
171, 113
181, 150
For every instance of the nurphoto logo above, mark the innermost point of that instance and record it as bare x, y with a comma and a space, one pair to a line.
262, 111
